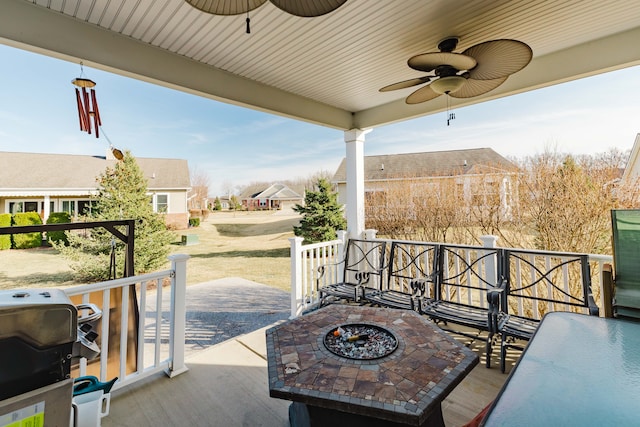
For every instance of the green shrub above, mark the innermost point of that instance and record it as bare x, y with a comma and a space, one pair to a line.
5, 239
194, 222
27, 240
58, 236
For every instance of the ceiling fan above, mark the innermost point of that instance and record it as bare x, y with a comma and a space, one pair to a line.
477, 70
303, 8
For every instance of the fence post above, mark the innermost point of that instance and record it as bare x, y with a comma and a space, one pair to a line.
370, 234
297, 296
491, 271
178, 321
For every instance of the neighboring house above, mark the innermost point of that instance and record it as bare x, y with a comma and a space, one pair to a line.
276, 196
224, 202
482, 176
45, 183
632, 170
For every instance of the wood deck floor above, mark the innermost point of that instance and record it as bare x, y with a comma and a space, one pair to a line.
227, 385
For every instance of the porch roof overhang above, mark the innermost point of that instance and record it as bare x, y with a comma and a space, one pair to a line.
325, 70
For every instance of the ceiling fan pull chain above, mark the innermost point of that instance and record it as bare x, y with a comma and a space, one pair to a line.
450, 116
248, 19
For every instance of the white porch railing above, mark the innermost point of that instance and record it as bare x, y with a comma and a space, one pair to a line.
161, 321
305, 260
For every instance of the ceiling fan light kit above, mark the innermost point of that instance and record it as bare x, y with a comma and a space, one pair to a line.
449, 84
478, 70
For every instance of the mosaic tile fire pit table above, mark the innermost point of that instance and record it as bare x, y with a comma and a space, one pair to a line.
364, 366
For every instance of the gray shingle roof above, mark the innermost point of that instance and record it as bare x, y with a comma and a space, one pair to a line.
274, 192
434, 163
66, 171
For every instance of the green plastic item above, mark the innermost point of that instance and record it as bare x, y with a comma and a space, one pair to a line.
89, 383
626, 260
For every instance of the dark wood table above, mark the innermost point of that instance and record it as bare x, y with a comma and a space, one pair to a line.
577, 370
403, 388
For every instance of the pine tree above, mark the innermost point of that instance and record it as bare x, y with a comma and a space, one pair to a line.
217, 204
321, 214
122, 194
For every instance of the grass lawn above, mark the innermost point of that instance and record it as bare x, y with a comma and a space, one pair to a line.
251, 245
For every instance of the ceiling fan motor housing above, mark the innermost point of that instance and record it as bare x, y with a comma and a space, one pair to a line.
448, 44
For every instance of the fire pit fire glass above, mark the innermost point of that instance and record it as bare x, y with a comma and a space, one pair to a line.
360, 341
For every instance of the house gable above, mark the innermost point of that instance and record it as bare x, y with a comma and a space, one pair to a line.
274, 196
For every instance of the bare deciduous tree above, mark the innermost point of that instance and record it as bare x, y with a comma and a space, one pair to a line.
567, 201
557, 203
200, 182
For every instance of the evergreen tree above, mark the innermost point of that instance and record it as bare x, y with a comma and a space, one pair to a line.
321, 214
217, 205
122, 194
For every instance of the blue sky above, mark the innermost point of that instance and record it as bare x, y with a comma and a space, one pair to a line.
236, 146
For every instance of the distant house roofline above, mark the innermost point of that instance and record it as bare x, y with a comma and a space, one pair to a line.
429, 165
74, 172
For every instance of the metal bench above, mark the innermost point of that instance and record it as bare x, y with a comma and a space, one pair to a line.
462, 294
536, 283
362, 267
412, 266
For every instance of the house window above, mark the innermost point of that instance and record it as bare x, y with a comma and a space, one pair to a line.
85, 207
23, 206
16, 207
69, 206
160, 203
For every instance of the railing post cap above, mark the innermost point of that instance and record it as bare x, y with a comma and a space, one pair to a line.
178, 257
370, 233
489, 240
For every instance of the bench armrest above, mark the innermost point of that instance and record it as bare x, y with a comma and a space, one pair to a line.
495, 295
324, 267
593, 308
418, 287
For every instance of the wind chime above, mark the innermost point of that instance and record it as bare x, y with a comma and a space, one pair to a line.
87, 104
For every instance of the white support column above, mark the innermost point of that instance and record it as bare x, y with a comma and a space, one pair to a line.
354, 139
296, 277
47, 210
179, 314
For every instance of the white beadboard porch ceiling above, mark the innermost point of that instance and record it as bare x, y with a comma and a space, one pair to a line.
328, 69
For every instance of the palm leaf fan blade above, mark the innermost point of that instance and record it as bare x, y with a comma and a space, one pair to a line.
474, 87
405, 84
498, 58
422, 95
226, 7
306, 8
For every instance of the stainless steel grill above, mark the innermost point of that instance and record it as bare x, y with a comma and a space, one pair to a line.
38, 328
